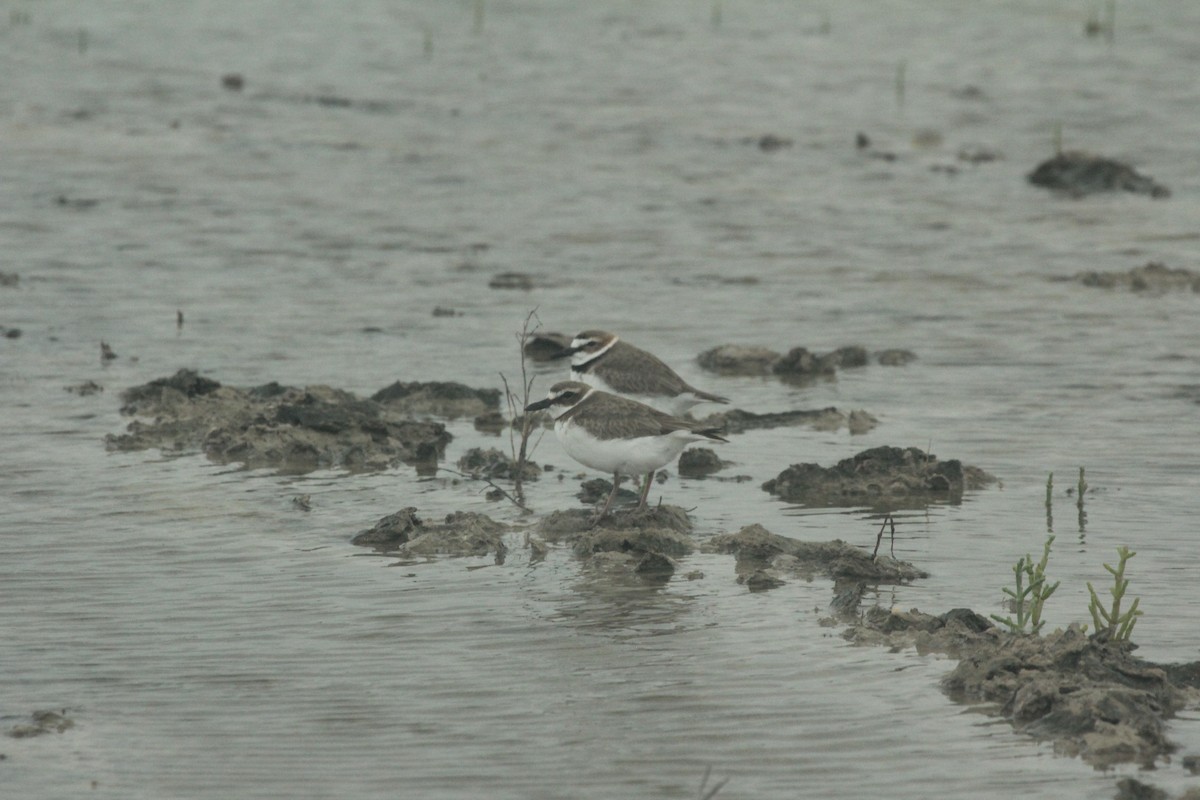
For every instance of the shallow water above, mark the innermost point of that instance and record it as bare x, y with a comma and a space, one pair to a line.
211, 640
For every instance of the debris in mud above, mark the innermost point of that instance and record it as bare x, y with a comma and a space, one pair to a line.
546, 346
438, 398
233, 81
9, 279
282, 427
824, 419
699, 462
462, 533
757, 549
10, 333
1078, 174
41, 722
882, 476
494, 464
85, 389
644, 542
443, 311
106, 352
1154, 277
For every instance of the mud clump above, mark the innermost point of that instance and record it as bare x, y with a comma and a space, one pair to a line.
1153, 278
1090, 696
1079, 174
493, 464
890, 477
758, 550
462, 533
798, 365
439, 399
644, 542
822, 419
732, 359
291, 429
699, 462
42, 722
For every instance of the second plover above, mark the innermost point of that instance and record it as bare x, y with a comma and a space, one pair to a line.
618, 435
612, 365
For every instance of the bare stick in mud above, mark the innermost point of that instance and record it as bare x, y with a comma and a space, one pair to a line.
521, 452
887, 520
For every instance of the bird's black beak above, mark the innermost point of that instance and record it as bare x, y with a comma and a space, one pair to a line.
566, 352
539, 405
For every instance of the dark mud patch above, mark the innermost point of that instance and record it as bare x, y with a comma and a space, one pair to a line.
1077, 174
1152, 278
461, 533
40, 723
820, 419
282, 427
437, 398
643, 542
1090, 696
882, 477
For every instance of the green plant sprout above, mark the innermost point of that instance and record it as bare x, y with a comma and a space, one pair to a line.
1118, 625
1028, 600
1080, 489
1050, 490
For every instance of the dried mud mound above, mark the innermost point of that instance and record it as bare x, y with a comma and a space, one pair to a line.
890, 477
282, 427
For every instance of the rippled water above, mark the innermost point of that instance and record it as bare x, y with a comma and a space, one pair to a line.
211, 640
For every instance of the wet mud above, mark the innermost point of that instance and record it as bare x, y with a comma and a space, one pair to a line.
882, 477
1077, 174
798, 365
291, 429
461, 533
822, 419
1090, 696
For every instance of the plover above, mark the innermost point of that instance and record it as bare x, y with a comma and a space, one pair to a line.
611, 365
618, 435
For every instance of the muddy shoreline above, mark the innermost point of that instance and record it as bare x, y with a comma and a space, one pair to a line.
1090, 696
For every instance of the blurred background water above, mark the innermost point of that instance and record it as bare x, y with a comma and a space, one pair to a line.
382, 159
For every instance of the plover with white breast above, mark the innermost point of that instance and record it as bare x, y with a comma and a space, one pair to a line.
612, 365
618, 435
